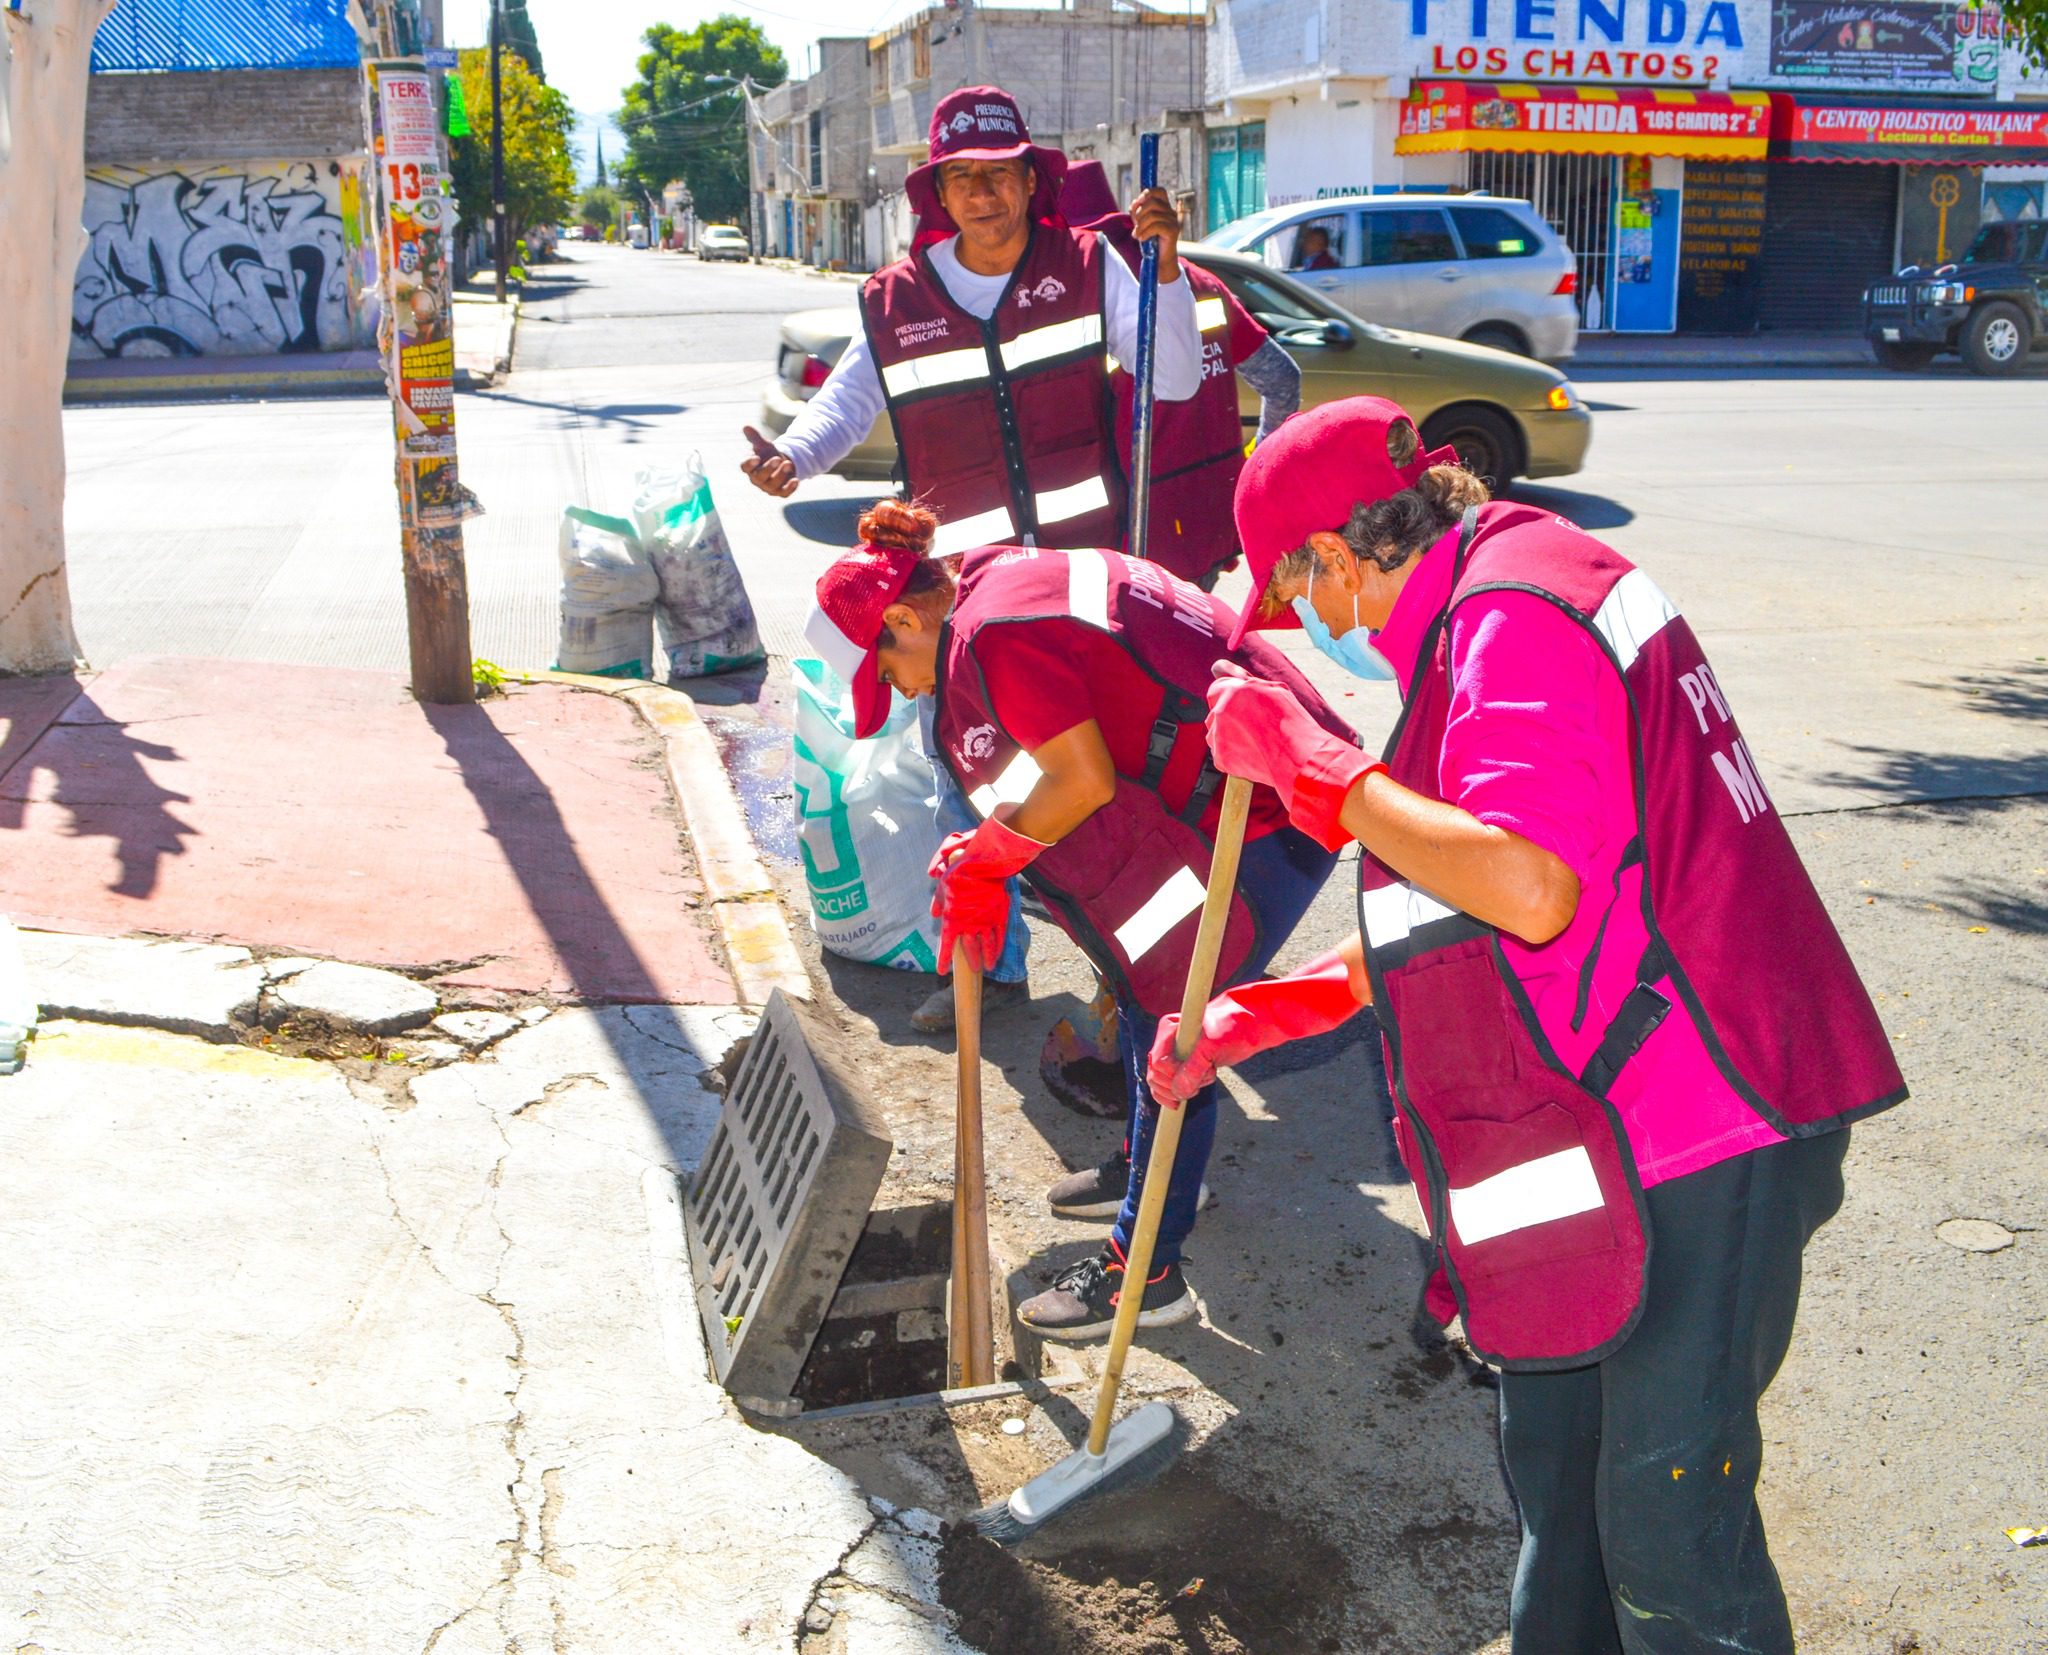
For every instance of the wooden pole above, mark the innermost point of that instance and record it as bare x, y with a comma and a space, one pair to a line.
971, 1334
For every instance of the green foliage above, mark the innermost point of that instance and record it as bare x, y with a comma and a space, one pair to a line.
680, 123
488, 676
517, 33
540, 175
599, 205
2029, 19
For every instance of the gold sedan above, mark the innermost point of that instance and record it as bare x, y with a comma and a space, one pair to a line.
1506, 415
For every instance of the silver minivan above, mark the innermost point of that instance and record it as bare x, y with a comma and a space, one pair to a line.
1477, 267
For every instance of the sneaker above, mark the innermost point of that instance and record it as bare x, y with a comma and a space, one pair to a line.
935, 1016
1099, 1191
1081, 1303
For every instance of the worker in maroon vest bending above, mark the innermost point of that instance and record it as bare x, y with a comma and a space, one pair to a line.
1198, 446
1071, 695
1624, 1038
985, 346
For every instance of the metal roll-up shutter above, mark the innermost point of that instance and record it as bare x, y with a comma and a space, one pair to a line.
1828, 233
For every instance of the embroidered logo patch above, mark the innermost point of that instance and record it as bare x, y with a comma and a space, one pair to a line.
979, 743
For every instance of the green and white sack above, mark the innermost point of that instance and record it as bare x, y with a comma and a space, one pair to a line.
608, 593
704, 615
867, 822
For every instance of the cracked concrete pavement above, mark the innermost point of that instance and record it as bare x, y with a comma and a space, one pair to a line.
305, 1361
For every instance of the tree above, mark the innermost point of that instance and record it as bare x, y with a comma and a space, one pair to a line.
600, 206
683, 121
44, 53
540, 175
519, 36
2029, 19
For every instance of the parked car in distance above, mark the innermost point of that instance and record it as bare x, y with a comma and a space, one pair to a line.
723, 241
1506, 415
1992, 308
1482, 268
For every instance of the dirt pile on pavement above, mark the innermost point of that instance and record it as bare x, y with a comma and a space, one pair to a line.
1185, 1568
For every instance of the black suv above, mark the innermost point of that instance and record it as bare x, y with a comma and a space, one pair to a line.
1993, 307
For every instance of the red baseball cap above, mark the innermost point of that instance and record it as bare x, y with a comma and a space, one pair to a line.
980, 123
845, 628
1307, 477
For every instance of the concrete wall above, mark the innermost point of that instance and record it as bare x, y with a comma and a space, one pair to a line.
230, 115
236, 258
225, 215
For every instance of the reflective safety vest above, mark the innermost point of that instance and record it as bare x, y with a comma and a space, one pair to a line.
1197, 445
1003, 427
1525, 1173
1127, 884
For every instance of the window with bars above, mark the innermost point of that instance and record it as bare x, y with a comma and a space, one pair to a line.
1575, 193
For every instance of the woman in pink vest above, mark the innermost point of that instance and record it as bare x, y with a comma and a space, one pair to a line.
1069, 691
1624, 1039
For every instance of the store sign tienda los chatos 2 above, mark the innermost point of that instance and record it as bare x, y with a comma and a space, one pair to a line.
1688, 42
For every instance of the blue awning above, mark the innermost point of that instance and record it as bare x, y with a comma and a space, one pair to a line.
226, 34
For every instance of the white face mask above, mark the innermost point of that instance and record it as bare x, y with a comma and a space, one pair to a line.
1353, 652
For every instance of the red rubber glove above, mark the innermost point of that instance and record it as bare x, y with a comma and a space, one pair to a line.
970, 903
1248, 1019
1257, 729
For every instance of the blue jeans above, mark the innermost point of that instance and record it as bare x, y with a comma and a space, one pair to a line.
955, 817
1279, 876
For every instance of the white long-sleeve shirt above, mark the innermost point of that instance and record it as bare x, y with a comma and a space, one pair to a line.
834, 421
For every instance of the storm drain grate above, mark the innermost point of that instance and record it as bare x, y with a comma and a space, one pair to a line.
779, 1202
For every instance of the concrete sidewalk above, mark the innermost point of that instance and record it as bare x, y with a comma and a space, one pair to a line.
1690, 351
334, 1330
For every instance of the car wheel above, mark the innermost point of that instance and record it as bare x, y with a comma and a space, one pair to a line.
1902, 359
1996, 338
1496, 337
1486, 444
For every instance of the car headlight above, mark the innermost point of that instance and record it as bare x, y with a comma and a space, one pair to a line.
1950, 293
1563, 398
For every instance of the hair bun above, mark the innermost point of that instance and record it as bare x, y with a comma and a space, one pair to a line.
901, 524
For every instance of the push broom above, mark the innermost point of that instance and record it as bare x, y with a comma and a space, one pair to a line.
1141, 1445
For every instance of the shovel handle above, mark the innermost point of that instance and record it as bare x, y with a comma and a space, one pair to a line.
1141, 370
1237, 799
971, 1331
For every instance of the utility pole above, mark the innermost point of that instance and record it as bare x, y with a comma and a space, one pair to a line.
416, 234
500, 251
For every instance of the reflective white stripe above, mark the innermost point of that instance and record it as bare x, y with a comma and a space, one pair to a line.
1179, 897
989, 528
832, 646
1058, 339
1393, 911
1012, 787
1210, 314
1632, 614
924, 373
1536, 1192
1056, 505
1088, 587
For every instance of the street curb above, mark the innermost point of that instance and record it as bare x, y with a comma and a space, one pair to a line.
800, 268
761, 953
470, 375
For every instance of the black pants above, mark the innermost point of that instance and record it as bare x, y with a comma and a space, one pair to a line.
1636, 1477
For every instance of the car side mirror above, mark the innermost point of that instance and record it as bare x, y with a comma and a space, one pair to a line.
1338, 335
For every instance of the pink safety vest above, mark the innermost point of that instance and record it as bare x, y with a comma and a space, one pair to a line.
1126, 884
1524, 1171
1003, 427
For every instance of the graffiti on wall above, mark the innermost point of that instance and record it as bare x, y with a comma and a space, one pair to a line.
243, 258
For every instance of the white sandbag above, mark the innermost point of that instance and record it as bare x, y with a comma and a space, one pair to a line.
705, 617
867, 822
608, 593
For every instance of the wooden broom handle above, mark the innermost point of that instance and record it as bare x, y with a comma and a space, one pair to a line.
971, 1333
1237, 799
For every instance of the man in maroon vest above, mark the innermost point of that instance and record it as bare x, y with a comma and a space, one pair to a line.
1624, 1038
1198, 445
985, 346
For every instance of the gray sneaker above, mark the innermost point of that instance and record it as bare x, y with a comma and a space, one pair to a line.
1081, 1303
935, 1016
1099, 1191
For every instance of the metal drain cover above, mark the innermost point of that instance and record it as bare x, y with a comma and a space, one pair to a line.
779, 1201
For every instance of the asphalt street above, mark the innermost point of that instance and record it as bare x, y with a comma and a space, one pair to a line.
1864, 557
